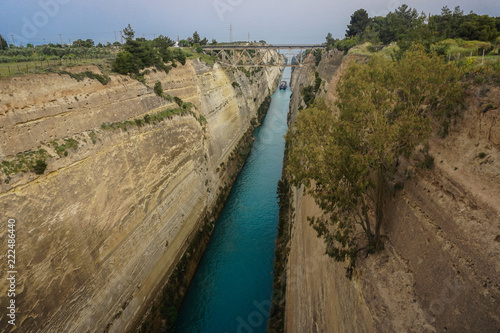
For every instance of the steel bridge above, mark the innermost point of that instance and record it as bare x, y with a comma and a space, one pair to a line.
251, 55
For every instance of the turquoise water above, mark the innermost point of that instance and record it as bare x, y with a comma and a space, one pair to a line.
232, 287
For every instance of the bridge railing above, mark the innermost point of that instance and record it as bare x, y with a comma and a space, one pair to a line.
277, 55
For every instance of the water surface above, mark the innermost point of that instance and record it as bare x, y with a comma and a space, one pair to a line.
231, 289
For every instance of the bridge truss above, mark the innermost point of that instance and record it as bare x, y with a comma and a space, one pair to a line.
283, 55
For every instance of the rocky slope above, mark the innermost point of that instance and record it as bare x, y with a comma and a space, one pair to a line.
101, 229
440, 268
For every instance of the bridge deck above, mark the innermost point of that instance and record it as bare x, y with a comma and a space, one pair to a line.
273, 46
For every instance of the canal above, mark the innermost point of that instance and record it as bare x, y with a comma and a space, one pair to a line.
231, 289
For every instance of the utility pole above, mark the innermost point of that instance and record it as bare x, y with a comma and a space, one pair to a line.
115, 37
13, 42
249, 37
230, 32
43, 41
60, 37
121, 37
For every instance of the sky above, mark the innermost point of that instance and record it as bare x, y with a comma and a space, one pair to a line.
275, 21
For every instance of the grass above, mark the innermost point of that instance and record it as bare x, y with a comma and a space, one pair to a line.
21, 68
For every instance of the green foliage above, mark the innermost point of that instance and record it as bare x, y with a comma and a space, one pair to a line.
180, 56
235, 84
140, 53
347, 158
39, 167
149, 118
308, 95
481, 155
83, 43
61, 149
345, 44
3, 43
317, 56
92, 136
129, 32
124, 63
23, 162
317, 82
405, 26
359, 22
103, 79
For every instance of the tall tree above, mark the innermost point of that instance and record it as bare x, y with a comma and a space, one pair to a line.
346, 157
196, 38
129, 32
359, 22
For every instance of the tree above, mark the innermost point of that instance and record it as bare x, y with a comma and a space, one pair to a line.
478, 27
124, 63
3, 43
83, 43
162, 42
196, 38
129, 32
347, 158
179, 55
158, 89
400, 25
358, 24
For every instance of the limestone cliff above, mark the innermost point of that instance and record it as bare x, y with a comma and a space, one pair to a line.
101, 229
440, 268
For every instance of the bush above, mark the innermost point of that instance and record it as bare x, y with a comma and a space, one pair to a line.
39, 167
158, 89
124, 63
317, 83
178, 101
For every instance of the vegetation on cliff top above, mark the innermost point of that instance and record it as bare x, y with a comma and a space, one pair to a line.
449, 32
347, 156
139, 53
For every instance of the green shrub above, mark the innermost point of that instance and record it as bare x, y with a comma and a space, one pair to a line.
178, 101
39, 167
317, 82
158, 89
235, 84
481, 155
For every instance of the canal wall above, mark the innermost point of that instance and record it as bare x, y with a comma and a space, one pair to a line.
439, 271
127, 181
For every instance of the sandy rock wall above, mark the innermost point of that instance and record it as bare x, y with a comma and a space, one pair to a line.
98, 232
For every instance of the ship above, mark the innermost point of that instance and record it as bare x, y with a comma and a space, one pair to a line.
283, 85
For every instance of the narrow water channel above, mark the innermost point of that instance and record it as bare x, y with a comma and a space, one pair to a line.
232, 287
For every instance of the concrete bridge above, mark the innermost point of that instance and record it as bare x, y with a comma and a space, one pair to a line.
254, 55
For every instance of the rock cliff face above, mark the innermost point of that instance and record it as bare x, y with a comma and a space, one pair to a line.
99, 232
440, 269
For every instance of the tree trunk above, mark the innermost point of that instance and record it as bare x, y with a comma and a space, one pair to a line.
379, 204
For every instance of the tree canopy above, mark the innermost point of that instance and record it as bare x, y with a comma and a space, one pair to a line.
405, 25
359, 22
139, 53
